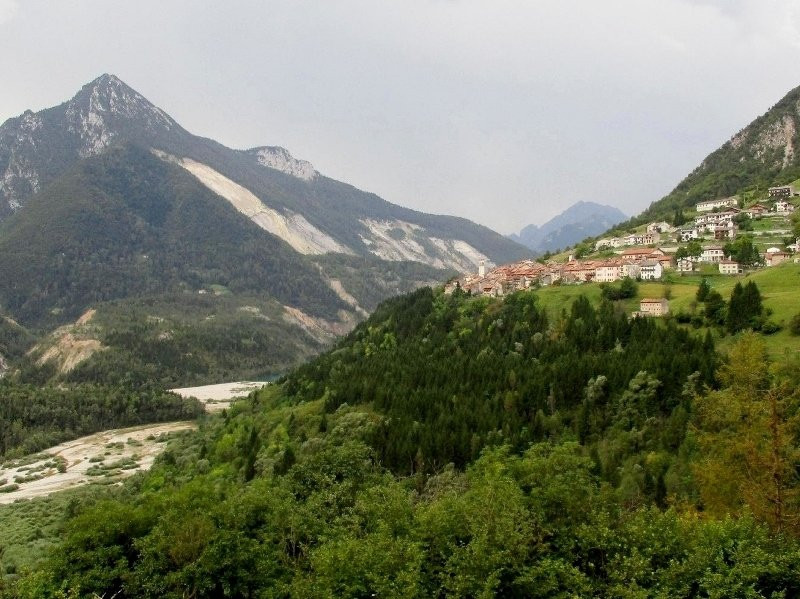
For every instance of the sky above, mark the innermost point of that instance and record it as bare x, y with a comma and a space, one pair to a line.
502, 111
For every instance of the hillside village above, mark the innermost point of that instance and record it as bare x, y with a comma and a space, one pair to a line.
705, 242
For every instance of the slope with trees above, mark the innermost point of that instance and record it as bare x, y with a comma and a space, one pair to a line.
280, 498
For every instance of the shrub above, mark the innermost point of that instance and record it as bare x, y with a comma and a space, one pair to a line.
770, 327
794, 324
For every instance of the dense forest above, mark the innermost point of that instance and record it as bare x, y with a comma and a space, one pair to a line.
14, 341
621, 459
34, 417
454, 373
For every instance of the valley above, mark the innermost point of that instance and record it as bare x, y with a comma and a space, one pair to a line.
432, 409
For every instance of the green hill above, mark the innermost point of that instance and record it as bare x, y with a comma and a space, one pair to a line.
459, 447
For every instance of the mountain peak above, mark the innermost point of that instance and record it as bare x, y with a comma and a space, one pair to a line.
582, 219
107, 105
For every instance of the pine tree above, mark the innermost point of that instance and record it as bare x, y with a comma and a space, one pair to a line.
702, 290
737, 310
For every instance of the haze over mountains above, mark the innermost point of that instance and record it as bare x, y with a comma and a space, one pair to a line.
581, 220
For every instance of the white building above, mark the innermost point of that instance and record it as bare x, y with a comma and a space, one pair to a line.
601, 244
631, 270
709, 205
784, 207
651, 270
689, 234
716, 218
712, 254
662, 227
686, 264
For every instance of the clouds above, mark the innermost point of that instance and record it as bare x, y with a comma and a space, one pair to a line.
8, 9
504, 111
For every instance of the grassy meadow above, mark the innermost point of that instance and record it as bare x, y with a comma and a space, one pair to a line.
779, 286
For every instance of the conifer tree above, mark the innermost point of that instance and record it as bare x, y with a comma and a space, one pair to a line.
703, 290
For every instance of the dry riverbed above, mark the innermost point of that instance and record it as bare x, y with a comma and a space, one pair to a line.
219, 397
103, 458
107, 457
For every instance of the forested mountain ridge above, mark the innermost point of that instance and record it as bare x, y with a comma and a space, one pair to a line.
125, 223
36, 148
762, 154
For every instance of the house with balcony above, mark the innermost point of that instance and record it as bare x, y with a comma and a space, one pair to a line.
782, 191
712, 254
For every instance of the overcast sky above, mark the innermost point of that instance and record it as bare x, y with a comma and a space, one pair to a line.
503, 111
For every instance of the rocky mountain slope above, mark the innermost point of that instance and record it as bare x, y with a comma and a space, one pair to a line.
581, 220
761, 155
107, 199
286, 197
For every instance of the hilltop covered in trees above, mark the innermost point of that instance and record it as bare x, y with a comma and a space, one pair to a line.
455, 373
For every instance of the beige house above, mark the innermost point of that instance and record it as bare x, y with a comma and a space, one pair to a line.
637, 254
653, 307
608, 272
730, 267
775, 258
756, 210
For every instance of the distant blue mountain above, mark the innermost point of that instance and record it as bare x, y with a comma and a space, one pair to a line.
579, 221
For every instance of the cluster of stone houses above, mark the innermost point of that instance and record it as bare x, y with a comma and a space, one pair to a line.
722, 224
638, 261
635, 263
